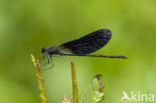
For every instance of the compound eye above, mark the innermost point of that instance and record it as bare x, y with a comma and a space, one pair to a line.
43, 50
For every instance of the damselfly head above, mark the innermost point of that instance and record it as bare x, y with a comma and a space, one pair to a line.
43, 50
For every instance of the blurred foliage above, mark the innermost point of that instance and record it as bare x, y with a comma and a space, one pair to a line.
28, 25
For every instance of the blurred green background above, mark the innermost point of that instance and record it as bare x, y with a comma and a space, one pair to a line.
28, 25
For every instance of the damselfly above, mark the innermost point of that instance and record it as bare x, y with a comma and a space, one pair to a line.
82, 46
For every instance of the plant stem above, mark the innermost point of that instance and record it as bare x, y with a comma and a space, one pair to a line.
74, 83
39, 79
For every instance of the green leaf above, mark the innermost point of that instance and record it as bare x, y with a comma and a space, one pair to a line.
94, 93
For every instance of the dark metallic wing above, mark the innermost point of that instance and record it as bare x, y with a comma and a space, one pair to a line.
89, 43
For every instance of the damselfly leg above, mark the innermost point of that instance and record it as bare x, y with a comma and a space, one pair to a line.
49, 61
